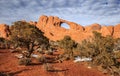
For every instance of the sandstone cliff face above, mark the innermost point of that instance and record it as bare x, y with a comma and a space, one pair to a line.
4, 30
116, 33
51, 26
32, 23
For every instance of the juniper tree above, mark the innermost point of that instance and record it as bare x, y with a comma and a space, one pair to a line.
28, 36
68, 45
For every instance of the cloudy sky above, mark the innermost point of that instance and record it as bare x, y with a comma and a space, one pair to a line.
84, 12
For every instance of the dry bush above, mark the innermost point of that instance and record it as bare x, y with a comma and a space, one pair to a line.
24, 61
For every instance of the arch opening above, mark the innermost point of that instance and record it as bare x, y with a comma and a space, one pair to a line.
65, 25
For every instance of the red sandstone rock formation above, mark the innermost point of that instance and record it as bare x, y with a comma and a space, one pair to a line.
116, 33
4, 30
32, 23
51, 26
107, 30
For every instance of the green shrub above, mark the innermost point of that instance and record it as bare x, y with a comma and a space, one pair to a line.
100, 49
68, 45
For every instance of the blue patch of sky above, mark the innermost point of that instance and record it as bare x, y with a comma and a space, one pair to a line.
66, 26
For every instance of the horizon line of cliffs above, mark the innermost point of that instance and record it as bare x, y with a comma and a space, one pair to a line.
51, 26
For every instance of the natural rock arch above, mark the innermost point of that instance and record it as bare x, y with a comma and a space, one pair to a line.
65, 25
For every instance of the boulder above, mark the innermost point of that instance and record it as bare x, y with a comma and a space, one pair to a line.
4, 31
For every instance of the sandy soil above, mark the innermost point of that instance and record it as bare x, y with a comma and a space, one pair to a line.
9, 64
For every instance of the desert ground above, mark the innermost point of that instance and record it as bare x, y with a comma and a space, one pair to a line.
9, 64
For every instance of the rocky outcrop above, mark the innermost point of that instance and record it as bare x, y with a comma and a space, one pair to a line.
93, 27
107, 30
51, 26
32, 23
4, 30
116, 33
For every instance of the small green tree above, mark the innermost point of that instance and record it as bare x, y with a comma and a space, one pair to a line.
26, 35
100, 49
68, 45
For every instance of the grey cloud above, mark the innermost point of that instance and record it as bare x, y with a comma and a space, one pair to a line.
98, 10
